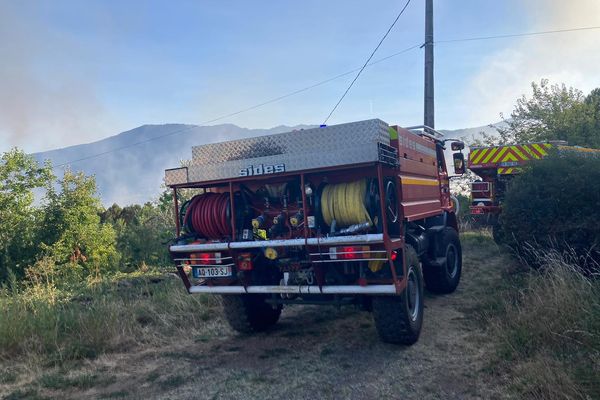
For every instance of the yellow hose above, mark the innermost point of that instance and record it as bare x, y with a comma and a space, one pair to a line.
344, 202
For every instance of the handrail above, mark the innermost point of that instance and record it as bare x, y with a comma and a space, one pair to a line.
427, 130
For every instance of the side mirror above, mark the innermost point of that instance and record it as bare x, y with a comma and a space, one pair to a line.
458, 145
459, 163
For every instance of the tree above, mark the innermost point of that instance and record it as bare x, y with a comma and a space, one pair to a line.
553, 112
143, 233
592, 102
72, 230
20, 174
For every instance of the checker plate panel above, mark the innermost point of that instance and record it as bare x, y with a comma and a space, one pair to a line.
344, 144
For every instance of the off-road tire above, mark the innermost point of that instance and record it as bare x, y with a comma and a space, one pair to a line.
249, 313
443, 279
395, 319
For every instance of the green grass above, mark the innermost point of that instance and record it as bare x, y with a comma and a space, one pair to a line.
8, 376
25, 394
103, 318
153, 376
172, 382
61, 380
120, 394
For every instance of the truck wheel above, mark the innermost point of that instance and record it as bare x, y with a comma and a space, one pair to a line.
444, 278
399, 318
248, 313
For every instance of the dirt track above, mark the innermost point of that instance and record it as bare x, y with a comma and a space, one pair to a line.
322, 352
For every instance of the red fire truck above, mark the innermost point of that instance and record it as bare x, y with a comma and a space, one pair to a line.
357, 213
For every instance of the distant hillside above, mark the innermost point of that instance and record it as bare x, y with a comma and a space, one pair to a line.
135, 174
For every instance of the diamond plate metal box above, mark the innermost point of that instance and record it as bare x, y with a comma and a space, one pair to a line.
328, 138
344, 144
176, 176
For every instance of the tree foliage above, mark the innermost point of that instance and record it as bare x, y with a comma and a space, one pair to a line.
72, 232
553, 112
142, 233
20, 175
68, 228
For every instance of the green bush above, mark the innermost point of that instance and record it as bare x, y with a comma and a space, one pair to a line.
143, 232
555, 204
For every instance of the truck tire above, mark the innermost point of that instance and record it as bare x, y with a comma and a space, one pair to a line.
444, 278
398, 319
249, 313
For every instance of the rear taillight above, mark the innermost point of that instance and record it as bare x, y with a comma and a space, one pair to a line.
245, 262
349, 252
206, 258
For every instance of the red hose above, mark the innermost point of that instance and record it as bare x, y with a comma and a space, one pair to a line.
207, 215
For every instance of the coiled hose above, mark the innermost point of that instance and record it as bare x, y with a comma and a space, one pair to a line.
208, 215
345, 202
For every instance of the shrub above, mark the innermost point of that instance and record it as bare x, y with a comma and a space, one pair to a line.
555, 204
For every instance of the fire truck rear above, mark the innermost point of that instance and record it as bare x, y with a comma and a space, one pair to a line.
357, 213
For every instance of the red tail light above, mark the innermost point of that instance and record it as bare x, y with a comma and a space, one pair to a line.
349, 252
206, 258
394, 256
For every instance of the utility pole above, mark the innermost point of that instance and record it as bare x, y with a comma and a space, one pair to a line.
429, 119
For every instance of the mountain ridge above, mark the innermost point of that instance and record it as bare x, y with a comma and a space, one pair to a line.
129, 166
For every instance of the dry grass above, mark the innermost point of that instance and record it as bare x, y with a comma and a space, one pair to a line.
548, 332
109, 316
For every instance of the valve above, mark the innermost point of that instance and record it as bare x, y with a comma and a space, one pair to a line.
297, 219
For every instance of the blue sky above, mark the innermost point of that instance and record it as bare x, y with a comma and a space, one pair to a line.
77, 71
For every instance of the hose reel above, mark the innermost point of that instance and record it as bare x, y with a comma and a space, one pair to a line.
208, 215
349, 204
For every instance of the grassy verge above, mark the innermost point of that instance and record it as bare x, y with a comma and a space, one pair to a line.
108, 316
546, 329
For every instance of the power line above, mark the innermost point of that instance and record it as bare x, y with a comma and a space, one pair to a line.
587, 28
273, 100
323, 82
366, 62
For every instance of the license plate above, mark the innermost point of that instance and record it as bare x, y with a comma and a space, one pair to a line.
211, 272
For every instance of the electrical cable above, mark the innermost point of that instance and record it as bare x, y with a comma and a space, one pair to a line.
510, 35
250, 108
317, 84
366, 62
344, 203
